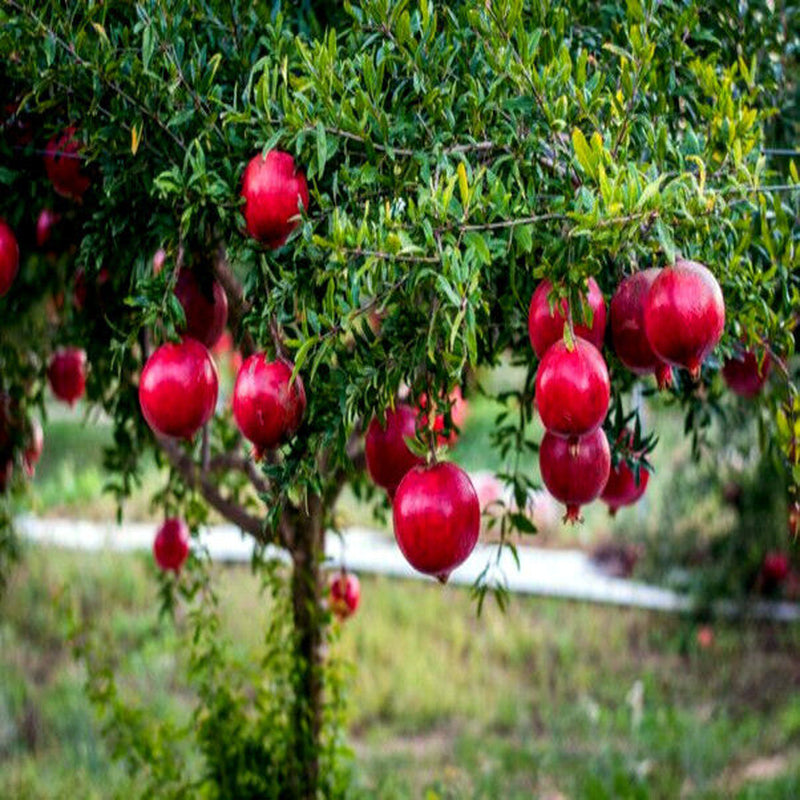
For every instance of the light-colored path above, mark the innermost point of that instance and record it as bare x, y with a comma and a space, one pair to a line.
568, 574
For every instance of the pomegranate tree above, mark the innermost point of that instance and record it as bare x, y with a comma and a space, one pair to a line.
171, 545
684, 315
273, 190
437, 518
178, 388
267, 404
575, 471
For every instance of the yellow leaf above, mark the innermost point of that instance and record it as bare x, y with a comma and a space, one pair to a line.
463, 187
583, 152
136, 138
100, 30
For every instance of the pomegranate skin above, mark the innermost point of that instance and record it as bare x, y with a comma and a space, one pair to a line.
33, 448
344, 594
171, 545
776, 567
684, 315
67, 374
437, 518
273, 189
745, 375
575, 472
205, 306
9, 257
546, 328
267, 408
178, 389
572, 389
388, 456
628, 336
62, 162
621, 488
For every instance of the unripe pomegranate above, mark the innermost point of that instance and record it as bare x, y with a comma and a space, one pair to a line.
388, 455
268, 407
45, 222
437, 518
572, 389
621, 489
273, 189
67, 374
171, 545
775, 568
178, 388
33, 448
344, 594
684, 315
205, 305
627, 327
9, 257
62, 162
575, 472
746, 374
545, 328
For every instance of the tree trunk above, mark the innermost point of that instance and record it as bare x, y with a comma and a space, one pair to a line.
307, 552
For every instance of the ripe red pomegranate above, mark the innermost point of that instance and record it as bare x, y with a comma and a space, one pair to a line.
178, 388
572, 389
575, 472
437, 518
267, 407
746, 374
9, 257
388, 456
171, 545
67, 374
545, 328
621, 488
44, 226
62, 162
205, 305
344, 594
627, 327
33, 448
775, 568
273, 190
684, 315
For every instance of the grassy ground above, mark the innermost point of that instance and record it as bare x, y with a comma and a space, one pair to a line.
550, 699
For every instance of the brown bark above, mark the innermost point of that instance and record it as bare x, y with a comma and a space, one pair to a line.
307, 554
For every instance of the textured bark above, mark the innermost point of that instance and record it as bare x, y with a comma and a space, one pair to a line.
308, 624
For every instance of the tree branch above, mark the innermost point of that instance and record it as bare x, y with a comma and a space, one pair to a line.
227, 508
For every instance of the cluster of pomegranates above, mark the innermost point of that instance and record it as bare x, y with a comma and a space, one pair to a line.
660, 319
435, 508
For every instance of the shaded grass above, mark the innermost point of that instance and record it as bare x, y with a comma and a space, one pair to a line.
550, 697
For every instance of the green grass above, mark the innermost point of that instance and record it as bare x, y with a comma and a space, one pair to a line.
548, 699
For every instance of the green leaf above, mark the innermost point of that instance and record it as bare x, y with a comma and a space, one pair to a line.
322, 148
583, 152
666, 241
